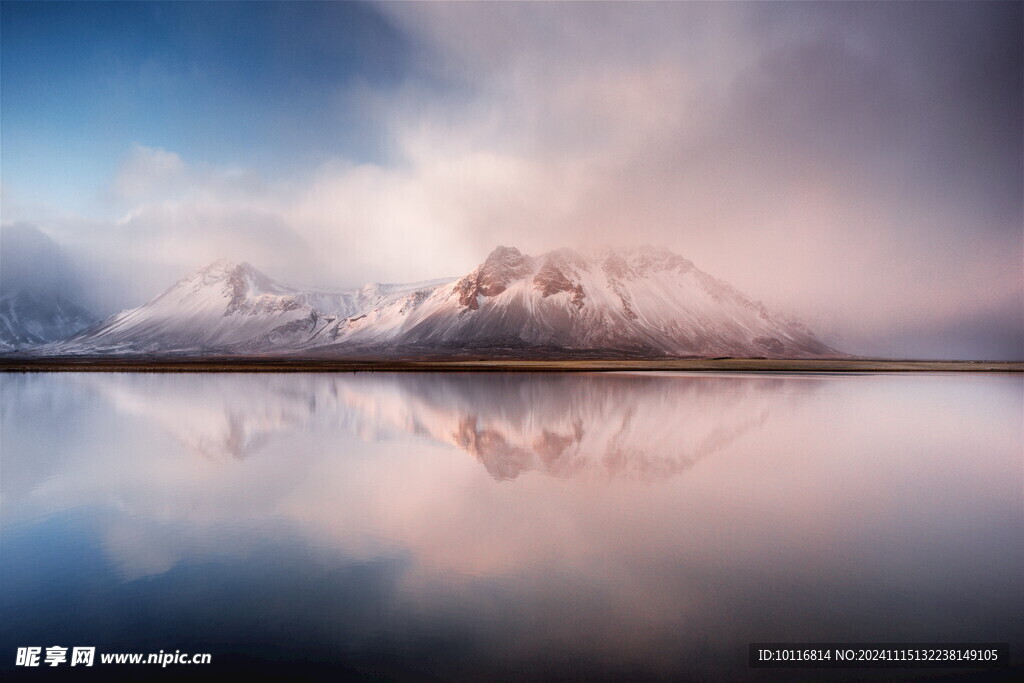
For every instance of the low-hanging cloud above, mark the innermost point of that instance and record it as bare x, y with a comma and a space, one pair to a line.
858, 165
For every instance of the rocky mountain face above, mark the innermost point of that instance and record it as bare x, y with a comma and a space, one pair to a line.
645, 302
28, 319
503, 267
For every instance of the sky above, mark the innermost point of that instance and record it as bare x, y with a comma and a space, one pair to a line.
857, 165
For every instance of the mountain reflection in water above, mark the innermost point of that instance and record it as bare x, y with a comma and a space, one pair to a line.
504, 526
630, 425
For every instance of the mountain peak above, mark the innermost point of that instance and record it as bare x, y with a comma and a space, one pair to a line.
237, 276
223, 267
504, 256
503, 266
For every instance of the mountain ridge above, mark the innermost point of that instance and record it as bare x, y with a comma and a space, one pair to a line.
645, 301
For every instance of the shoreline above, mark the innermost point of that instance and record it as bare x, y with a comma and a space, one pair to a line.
215, 364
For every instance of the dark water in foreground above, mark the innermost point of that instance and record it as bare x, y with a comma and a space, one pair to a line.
501, 526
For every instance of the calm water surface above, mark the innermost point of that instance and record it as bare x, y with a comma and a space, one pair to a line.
502, 526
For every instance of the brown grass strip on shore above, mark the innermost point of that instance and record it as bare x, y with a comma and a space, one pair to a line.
492, 365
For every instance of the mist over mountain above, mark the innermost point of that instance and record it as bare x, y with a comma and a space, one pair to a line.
40, 290
641, 302
857, 164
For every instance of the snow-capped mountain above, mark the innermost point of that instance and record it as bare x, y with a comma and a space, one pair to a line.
644, 301
225, 307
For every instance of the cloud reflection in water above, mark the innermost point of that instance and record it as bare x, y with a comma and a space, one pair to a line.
622, 520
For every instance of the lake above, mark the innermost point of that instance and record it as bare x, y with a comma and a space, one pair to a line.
502, 526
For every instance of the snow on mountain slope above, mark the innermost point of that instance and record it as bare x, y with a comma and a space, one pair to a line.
225, 307
644, 301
